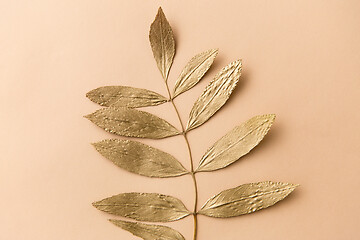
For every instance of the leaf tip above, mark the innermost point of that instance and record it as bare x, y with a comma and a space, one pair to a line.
93, 95
160, 13
88, 116
95, 204
237, 65
90, 93
113, 221
272, 117
238, 62
292, 187
95, 145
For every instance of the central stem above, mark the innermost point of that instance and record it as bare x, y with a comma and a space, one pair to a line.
192, 172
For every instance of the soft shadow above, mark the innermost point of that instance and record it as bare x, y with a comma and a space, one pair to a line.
176, 38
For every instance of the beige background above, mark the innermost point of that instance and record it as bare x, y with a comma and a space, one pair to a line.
301, 61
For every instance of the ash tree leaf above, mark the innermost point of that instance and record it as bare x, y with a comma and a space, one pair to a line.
124, 96
147, 231
162, 43
130, 122
237, 143
215, 95
139, 158
149, 207
194, 70
246, 198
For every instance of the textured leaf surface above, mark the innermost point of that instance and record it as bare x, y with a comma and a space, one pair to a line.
162, 43
140, 158
149, 232
246, 198
237, 143
149, 207
194, 71
123, 96
132, 123
215, 95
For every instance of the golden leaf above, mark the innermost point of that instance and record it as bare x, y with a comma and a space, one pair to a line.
194, 71
139, 158
147, 231
149, 207
237, 143
215, 95
122, 119
246, 198
123, 96
162, 43
132, 123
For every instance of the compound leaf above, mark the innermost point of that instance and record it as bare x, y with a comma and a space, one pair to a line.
124, 96
246, 198
147, 231
194, 71
215, 95
139, 158
132, 123
162, 43
237, 143
149, 207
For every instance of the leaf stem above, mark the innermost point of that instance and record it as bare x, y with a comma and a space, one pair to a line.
192, 172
